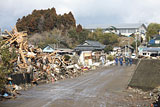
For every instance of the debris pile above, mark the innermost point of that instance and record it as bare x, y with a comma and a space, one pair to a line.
43, 66
152, 96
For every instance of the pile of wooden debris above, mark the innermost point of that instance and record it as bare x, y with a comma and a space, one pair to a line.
32, 60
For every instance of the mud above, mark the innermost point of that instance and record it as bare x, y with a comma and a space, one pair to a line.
105, 87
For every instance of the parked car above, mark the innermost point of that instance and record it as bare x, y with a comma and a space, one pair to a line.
133, 56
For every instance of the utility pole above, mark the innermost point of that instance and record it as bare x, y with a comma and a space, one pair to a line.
125, 50
0, 32
136, 43
128, 48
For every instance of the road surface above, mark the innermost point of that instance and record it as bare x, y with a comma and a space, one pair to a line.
105, 87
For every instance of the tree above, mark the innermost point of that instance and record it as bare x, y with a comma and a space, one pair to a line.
108, 48
7, 54
152, 30
134, 44
79, 28
45, 20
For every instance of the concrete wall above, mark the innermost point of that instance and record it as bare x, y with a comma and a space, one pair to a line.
147, 75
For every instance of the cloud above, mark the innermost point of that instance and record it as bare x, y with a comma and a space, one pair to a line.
85, 11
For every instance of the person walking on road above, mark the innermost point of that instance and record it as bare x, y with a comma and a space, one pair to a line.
121, 61
130, 61
116, 60
126, 61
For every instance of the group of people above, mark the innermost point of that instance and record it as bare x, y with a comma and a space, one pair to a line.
123, 60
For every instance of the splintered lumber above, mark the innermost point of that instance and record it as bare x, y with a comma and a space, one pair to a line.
15, 37
22, 54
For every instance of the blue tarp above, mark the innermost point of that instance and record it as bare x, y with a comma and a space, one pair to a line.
152, 41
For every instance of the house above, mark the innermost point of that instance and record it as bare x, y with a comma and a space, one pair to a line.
152, 49
127, 50
3, 34
155, 42
64, 51
61, 51
89, 52
122, 29
116, 51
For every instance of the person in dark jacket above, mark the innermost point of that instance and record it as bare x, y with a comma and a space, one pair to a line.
130, 61
121, 61
126, 61
116, 60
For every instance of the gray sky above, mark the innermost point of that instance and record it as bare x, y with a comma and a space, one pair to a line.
86, 12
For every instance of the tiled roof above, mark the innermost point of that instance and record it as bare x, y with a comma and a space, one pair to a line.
153, 45
128, 46
152, 49
157, 37
91, 45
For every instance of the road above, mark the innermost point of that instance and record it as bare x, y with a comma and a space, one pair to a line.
105, 87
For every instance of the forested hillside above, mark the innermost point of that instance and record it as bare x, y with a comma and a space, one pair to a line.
45, 20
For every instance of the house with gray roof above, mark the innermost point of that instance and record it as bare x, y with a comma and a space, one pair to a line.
155, 42
152, 49
89, 45
122, 29
89, 52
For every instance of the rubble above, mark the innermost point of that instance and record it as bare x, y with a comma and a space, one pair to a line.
32, 59
43, 66
153, 95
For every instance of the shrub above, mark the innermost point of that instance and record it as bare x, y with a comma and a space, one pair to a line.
110, 58
6, 67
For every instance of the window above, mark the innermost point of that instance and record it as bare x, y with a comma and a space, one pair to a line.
157, 42
131, 30
142, 31
144, 53
123, 31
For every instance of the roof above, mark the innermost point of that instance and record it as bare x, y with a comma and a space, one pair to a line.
152, 49
128, 46
48, 48
157, 37
89, 45
152, 41
153, 45
135, 25
64, 50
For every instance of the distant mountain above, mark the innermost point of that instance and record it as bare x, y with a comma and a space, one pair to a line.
45, 20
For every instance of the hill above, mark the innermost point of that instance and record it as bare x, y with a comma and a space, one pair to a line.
45, 20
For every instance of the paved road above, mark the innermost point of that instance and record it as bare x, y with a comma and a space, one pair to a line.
99, 88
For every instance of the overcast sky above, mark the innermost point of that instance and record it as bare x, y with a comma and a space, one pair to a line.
86, 12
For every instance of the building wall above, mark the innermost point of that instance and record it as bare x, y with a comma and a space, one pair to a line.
86, 58
157, 41
142, 32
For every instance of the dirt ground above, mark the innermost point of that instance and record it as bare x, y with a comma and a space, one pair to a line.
105, 87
